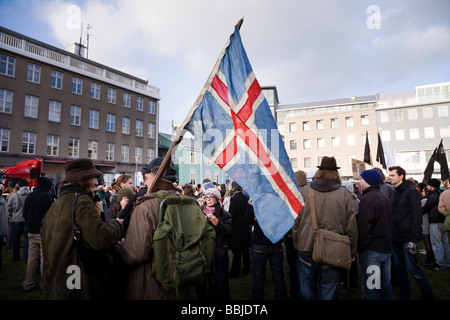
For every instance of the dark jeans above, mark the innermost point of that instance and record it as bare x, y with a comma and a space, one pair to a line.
260, 255
236, 263
403, 262
17, 229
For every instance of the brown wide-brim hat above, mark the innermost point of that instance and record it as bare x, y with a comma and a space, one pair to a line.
80, 169
328, 163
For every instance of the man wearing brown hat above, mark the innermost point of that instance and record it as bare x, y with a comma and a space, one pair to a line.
334, 212
65, 276
137, 249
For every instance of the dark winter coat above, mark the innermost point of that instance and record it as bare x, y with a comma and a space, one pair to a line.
36, 205
431, 207
60, 251
375, 221
240, 237
407, 213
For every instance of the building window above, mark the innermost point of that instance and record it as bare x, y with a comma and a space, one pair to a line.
93, 119
31, 106
442, 111
151, 130
307, 162
125, 153
57, 80
150, 154
398, 115
294, 163
126, 99
193, 177
364, 120
306, 144
414, 134
52, 145
192, 158
413, 114
293, 145
399, 134
386, 135
151, 106
54, 111
320, 143
112, 95
109, 152
444, 131
139, 128
126, 125
74, 147
319, 125
349, 122
77, 85
93, 149
140, 104
75, 115
4, 140
427, 112
292, 127
384, 116
335, 142
306, 125
6, 98
7, 65
33, 73
95, 91
138, 154
334, 123
28, 142
350, 140
428, 132
110, 122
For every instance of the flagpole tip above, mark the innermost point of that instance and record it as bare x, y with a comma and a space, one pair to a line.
240, 22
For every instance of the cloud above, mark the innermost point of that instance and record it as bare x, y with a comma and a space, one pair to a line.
312, 50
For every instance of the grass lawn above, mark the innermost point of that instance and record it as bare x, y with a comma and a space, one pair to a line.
12, 275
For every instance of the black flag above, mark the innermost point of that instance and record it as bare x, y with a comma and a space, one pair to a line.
430, 167
367, 156
380, 153
442, 159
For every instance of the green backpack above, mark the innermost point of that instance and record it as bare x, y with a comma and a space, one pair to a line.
183, 243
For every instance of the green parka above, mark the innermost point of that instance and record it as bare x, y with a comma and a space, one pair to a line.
60, 251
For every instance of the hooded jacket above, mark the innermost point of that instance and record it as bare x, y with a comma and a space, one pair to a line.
16, 202
36, 204
334, 211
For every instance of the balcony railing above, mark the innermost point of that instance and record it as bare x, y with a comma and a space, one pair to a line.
71, 61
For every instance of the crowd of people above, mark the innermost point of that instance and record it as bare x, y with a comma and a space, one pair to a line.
384, 217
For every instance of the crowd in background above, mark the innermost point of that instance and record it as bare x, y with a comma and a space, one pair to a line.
371, 208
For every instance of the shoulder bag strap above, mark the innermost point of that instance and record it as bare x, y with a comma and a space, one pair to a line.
313, 208
76, 228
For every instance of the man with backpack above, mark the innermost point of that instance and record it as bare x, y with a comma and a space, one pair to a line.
138, 250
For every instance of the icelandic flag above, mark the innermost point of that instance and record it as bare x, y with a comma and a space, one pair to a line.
233, 123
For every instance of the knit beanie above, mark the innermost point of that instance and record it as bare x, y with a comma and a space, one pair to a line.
213, 192
125, 192
372, 177
434, 183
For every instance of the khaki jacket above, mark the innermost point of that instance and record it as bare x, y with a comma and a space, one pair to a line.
334, 211
137, 253
444, 203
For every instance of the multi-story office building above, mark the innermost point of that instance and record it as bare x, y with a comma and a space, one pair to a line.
56, 105
335, 128
412, 123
